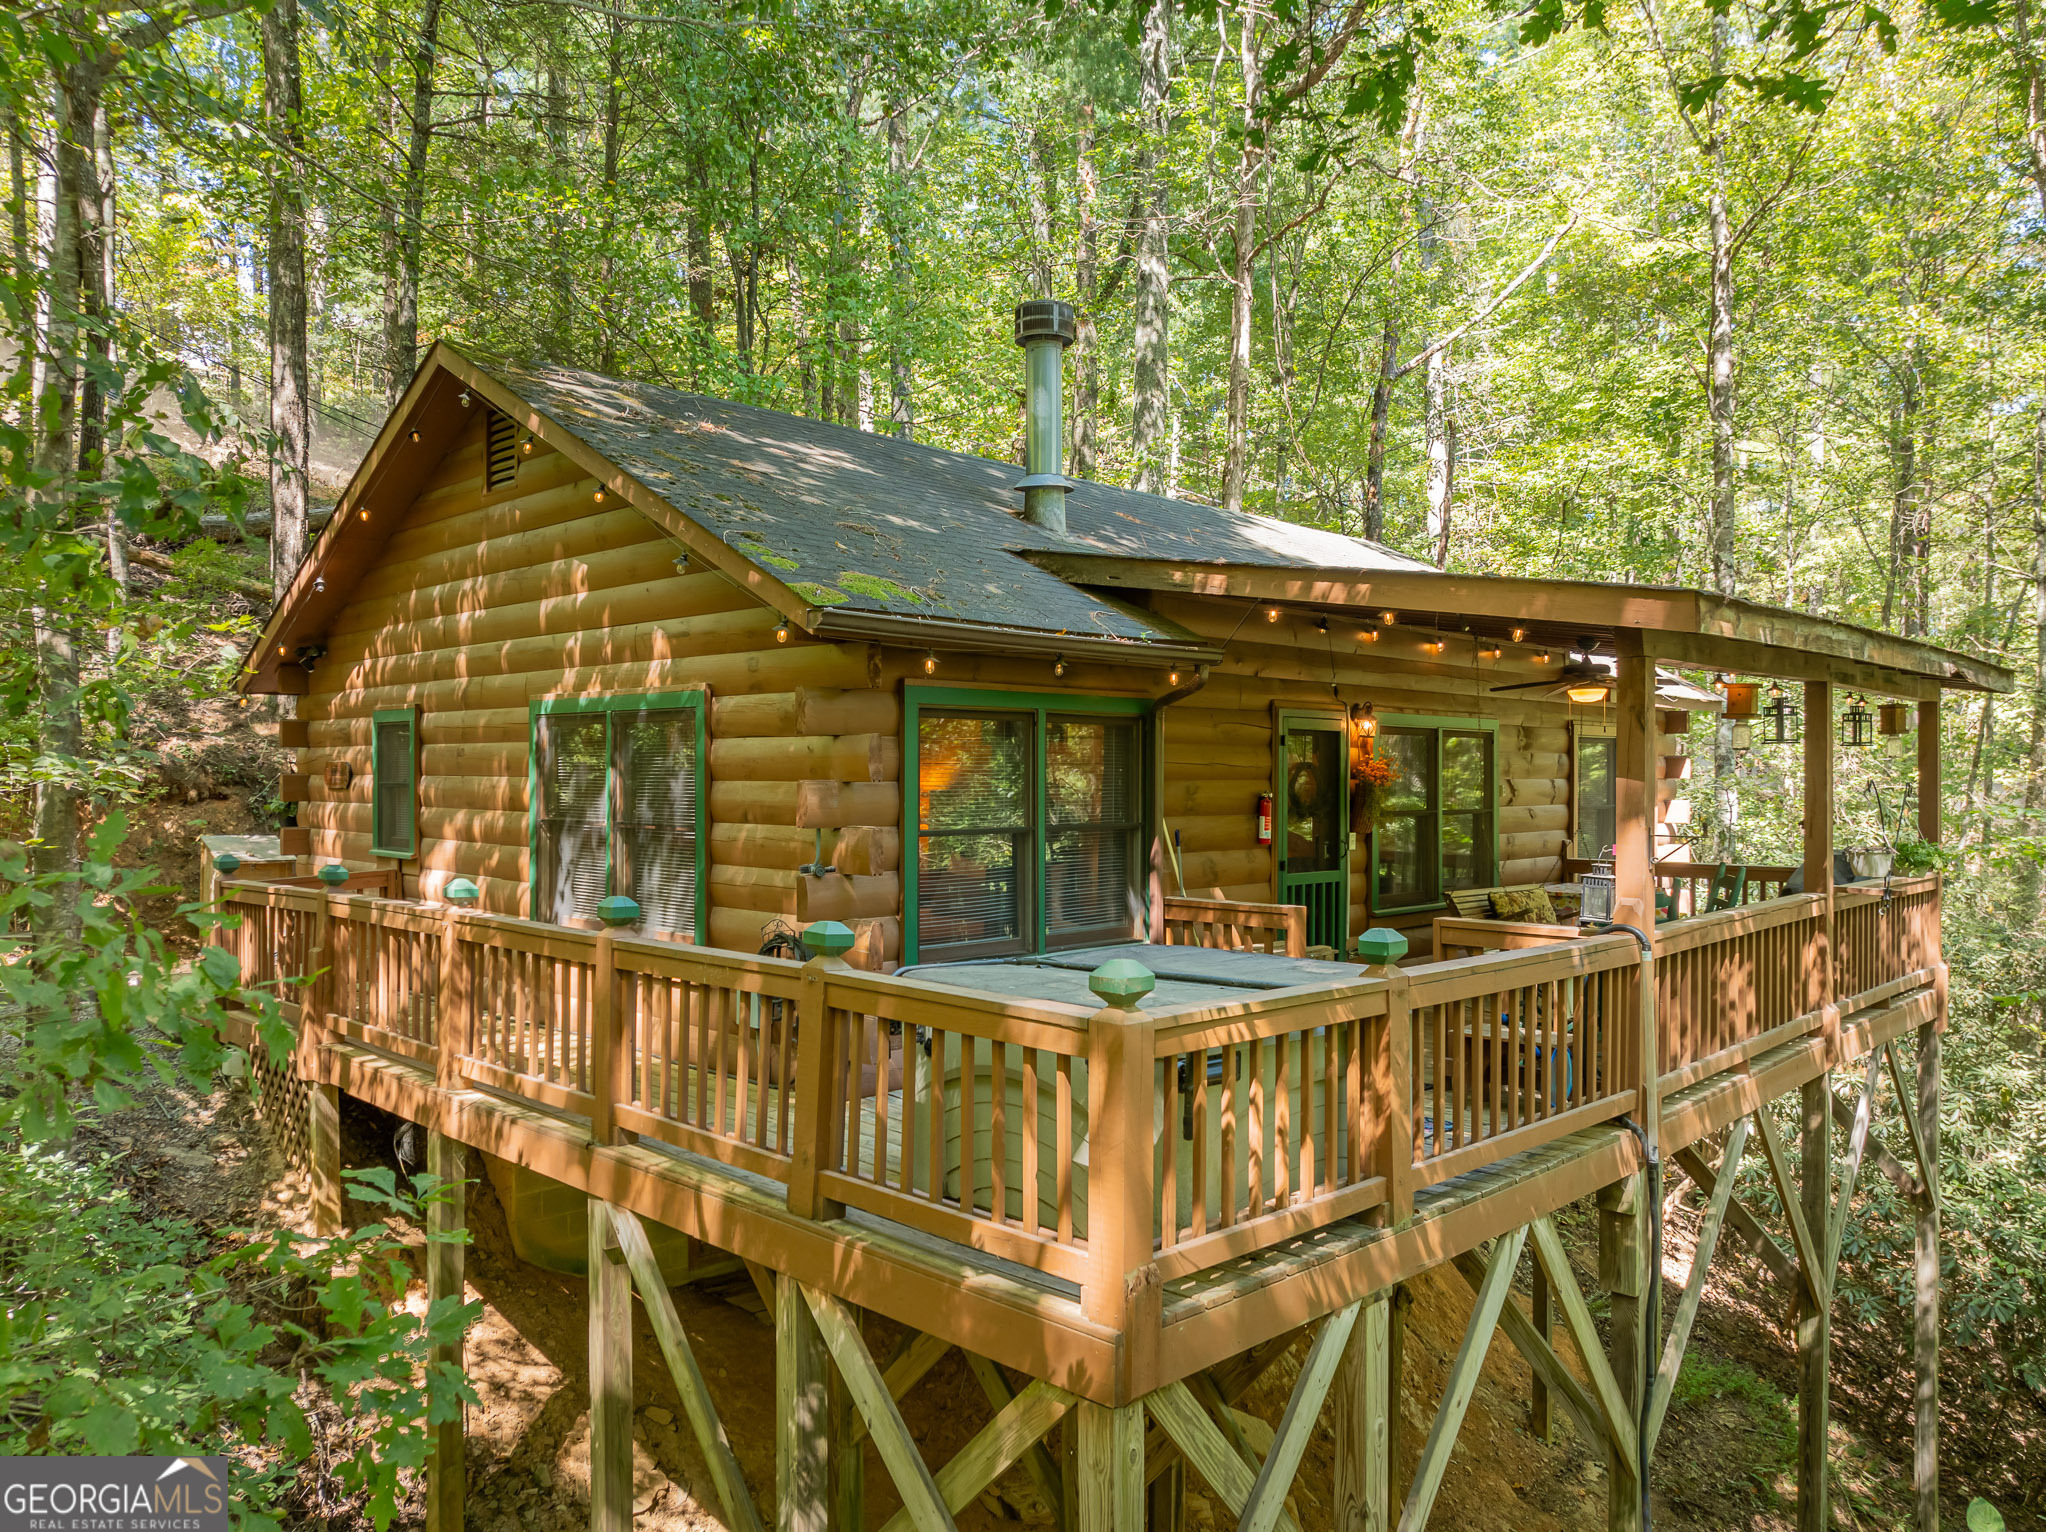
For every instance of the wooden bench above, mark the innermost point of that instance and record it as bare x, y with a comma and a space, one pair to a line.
1474, 928
1231, 926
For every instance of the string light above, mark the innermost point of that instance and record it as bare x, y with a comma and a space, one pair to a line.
363, 514
1388, 618
1172, 678
1491, 653
598, 497
414, 433
1058, 667
930, 662
1544, 657
1368, 636
781, 632
529, 446
1519, 634
465, 398
319, 583
1271, 614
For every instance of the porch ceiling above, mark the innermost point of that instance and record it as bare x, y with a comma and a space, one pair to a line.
1678, 626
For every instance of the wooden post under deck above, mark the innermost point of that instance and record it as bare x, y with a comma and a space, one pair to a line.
610, 1301
1541, 1417
1109, 1496
1814, 1328
445, 1471
323, 1151
1364, 1418
1623, 1272
1925, 1317
802, 1405
1634, 780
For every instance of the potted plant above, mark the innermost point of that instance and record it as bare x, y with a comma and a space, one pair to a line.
1370, 781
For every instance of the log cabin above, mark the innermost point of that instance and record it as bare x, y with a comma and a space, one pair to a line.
1158, 899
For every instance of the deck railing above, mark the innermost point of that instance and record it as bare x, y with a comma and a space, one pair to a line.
1238, 927
1087, 1144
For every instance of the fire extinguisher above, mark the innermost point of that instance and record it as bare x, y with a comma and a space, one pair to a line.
1264, 819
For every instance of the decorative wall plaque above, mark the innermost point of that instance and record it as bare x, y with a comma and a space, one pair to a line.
338, 775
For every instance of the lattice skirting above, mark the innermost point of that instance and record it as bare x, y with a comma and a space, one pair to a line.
281, 1105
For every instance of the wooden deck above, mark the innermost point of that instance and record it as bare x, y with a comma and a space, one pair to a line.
1326, 1140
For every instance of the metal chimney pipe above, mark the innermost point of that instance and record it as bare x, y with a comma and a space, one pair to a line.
1044, 328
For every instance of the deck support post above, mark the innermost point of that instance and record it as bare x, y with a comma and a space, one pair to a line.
1814, 1330
802, 1399
1540, 1418
446, 1481
323, 1154
1165, 1499
610, 1300
1925, 1310
1110, 1478
1363, 1422
1623, 1272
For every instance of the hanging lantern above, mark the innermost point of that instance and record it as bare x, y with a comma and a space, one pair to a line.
1741, 698
1893, 720
1857, 724
1600, 891
1782, 724
1741, 735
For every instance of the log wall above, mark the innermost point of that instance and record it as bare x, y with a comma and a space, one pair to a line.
485, 600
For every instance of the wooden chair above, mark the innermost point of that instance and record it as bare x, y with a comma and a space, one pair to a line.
1729, 887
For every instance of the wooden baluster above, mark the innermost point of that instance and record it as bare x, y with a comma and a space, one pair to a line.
998, 1132
1232, 1099
1063, 1166
1031, 1124
1198, 1197
1168, 1159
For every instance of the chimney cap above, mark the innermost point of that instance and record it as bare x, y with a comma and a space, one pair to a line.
1045, 319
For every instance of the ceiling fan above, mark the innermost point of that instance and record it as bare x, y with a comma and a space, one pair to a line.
1582, 679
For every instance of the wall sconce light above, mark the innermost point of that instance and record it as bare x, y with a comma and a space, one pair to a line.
1857, 724
1364, 719
930, 662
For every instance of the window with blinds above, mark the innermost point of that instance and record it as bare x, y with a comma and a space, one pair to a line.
618, 807
574, 838
1029, 831
1093, 819
394, 786
1437, 824
656, 766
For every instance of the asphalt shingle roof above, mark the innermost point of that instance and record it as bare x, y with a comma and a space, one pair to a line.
873, 523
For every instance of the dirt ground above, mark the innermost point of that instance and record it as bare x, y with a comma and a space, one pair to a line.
1725, 1461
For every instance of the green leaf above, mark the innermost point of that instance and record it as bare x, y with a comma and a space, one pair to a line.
1984, 1517
110, 1430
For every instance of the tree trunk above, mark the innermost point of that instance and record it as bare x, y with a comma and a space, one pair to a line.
402, 339
1243, 270
290, 463
607, 280
799, 319
901, 381
703, 295
73, 204
2035, 777
1389, 338
561, 323
96, 283
1441, 428
1150, 400
1087, 279
1719, 383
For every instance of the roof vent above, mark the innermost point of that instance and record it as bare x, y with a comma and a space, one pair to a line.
500, 450
1044, 328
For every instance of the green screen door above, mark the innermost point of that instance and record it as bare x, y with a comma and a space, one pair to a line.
1311, 834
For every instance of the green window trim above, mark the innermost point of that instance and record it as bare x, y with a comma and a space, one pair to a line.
1039, 707
1438, 727
611, 708
394, 795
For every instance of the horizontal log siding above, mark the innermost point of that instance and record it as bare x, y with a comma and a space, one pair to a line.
483, 601
1219, 742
